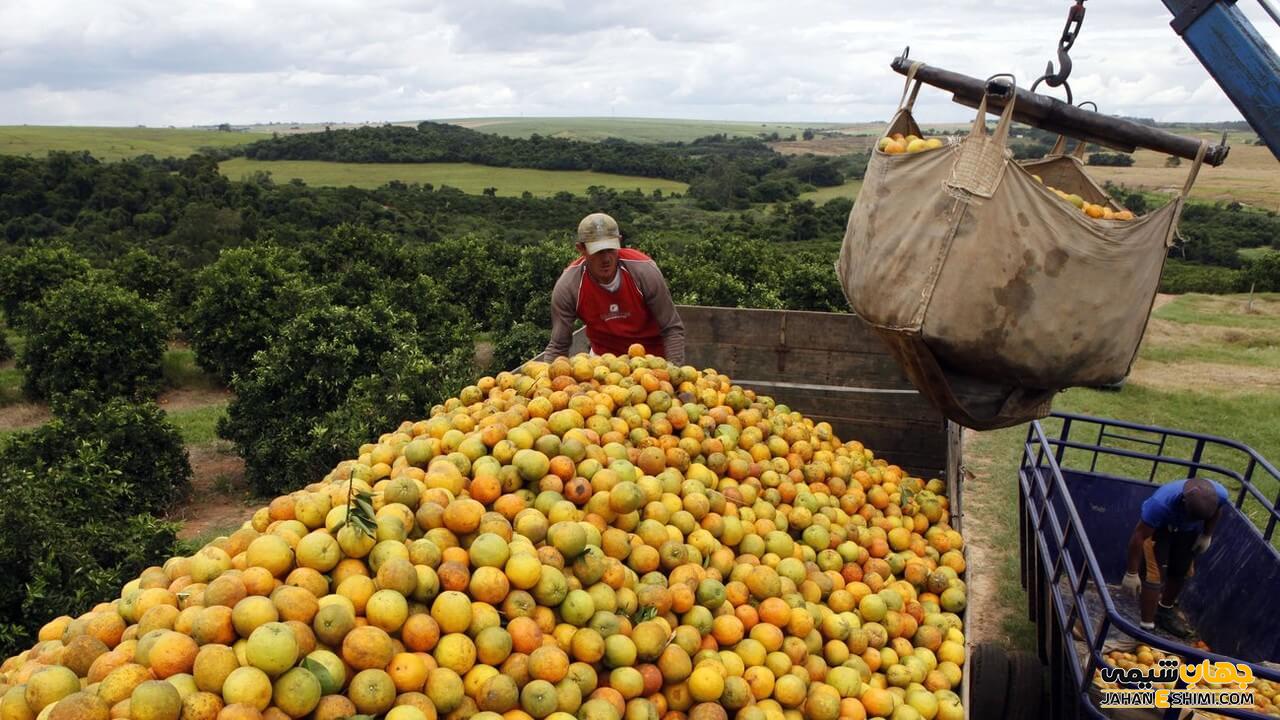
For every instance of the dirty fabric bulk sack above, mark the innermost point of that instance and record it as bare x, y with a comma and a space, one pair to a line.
991, 291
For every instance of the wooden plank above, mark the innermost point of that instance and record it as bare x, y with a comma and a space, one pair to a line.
903, 439
842, 332
892, 442
954, 474
851, 403
814, 367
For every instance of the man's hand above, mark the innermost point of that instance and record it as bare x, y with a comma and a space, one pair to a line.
1202, 543
1131, 583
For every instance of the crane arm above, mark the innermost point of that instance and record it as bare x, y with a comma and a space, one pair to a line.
1237, 56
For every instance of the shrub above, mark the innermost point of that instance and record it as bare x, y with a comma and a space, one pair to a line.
94, 337
809, 283
441, 322
1184, 277
153, 278
140, 442
26, 276
308, 372
522, 342
405, 387
1110, 159
67, 540
6, 350
241, 300
1262, 273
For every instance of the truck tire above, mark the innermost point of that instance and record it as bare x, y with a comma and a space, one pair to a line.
988, 681
1025, 695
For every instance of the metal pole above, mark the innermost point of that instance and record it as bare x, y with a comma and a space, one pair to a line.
1056, 116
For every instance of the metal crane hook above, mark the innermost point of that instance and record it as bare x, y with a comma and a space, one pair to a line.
1075, 18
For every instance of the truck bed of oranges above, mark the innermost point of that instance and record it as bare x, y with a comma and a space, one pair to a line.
596, 538
1266, 694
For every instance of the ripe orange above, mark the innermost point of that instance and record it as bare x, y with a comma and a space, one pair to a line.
367, 648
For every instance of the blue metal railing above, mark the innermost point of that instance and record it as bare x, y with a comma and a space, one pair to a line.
1254, 464
1050, 520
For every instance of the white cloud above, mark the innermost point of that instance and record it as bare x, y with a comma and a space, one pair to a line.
179, 62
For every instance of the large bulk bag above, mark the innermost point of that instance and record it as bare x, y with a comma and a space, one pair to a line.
991, 291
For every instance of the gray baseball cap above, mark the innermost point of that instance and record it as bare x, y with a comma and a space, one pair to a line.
599, 232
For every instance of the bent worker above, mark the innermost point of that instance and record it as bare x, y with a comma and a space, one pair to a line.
620, 295
1176, 526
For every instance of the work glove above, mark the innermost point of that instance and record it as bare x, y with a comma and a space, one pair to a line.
1201, 543
1131, 583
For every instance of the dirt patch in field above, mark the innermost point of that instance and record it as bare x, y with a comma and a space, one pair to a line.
20, 416
1204, 376
1168, 333
825, 145
189, 398
219, 495
484, 354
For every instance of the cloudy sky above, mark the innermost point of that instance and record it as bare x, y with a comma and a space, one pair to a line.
175, 62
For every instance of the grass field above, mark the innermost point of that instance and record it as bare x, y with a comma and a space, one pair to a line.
115, 143
464, 176
1256, 252
646, 130
198, 424
1207, 365
821, 195
1250, 175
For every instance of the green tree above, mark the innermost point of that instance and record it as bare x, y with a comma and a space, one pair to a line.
139, 440
153, 278
1262, 273
287, 421
94, 337
68, 537
520, 343
26, 275
241, 301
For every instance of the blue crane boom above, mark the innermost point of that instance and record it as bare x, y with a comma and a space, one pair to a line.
1237, 56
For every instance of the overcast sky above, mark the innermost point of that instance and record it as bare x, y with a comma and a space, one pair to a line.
174, 62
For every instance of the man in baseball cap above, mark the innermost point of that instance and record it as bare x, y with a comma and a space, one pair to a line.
1176, 526
618, 293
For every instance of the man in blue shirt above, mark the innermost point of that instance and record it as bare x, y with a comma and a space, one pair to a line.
1177, 525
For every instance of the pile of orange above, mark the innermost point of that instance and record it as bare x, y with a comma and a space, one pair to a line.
897, 144
596, 538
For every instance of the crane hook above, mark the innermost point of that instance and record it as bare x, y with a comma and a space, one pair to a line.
1075, 18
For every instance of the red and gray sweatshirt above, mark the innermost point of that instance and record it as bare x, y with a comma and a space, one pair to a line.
638, 310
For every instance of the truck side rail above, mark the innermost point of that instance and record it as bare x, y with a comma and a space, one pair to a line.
1227, 453
1056, 548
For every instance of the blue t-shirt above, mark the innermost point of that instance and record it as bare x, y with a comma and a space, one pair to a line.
1164, 509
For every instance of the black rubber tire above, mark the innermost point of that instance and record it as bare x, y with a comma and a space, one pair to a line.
988, 680
1025, 695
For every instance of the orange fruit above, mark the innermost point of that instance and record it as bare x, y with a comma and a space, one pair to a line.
367, 647
408, 671
372, 691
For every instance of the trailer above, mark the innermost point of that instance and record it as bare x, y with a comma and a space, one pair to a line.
1082, 481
